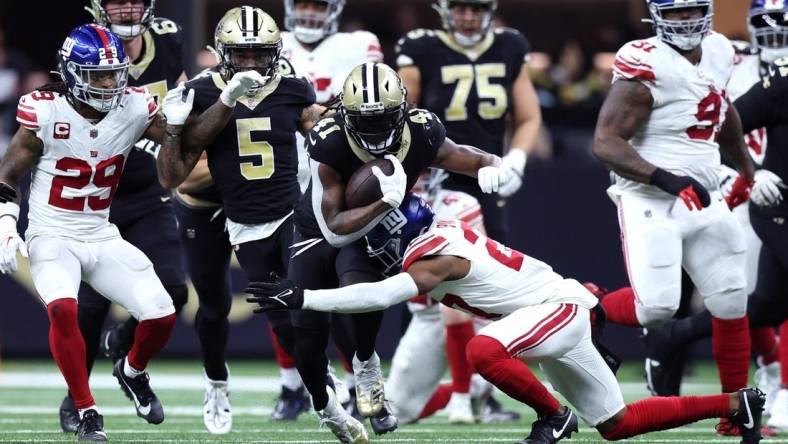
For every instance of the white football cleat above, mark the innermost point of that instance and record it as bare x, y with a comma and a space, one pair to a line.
340, 389
346, 428
369, 385
460, 411
217, 415
768, 380
779, 418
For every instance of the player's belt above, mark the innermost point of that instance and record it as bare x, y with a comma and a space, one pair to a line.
191, 201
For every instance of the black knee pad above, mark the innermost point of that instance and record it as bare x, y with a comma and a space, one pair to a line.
179, 295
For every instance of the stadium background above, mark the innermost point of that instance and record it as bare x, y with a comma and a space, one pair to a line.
561, 215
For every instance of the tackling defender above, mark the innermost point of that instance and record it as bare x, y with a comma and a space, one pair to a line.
538, 318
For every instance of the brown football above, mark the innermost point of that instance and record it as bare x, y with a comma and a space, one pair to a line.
363, 188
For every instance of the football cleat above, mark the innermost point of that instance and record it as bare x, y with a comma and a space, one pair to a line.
111, 345
460, 411
747, 419
346, 428
779, 418
138, 390
352, 407
552, 428
494, 412
369, 385
340, 389
217, 414
290, 404
384, 421
663, 370
69, 416
768, 380
91, 427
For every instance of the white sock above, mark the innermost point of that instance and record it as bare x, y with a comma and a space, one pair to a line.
350, 380
130, 371
290, 378
82, 411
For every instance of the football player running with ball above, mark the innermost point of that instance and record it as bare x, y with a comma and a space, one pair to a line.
244, 117
142, 209
76, 137
538, 318
661, 130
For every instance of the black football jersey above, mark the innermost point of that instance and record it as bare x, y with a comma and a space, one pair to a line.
766, 105
330, 144
158, 67
469, 89
253, 160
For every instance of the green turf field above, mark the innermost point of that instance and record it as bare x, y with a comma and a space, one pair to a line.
31, 391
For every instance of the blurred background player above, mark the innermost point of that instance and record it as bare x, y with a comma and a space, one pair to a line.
372, 122
88, 124
538, 317
432, 341
658, 159
474, 78
142, 209
248, 104
325, 56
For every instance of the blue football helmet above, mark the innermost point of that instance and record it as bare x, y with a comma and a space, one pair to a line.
683, 34
768, 25
389, 239
309, 27
92, 56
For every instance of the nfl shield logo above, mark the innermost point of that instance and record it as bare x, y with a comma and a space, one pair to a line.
93, 133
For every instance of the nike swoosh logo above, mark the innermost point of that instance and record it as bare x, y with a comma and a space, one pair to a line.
751, 423
557, 433
145, 410
278, 297
165, 198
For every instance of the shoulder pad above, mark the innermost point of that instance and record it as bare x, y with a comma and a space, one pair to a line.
428, 244
324, 137
429, 124
743, 48
632, 61
284, 68
413, 44
163, 26
34, 109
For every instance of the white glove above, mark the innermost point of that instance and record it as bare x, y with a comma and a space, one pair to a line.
513, 165
10, 243
726, 176
176, 107
489, 178
240, 85
767, 190
392, 187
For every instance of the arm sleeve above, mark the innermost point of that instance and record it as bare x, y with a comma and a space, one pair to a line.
362, 298
336, 240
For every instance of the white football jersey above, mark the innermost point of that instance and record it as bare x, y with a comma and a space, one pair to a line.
689, 108
746, 73
330, 62
500, 281
78, 173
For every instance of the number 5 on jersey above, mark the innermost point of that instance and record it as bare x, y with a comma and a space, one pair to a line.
263, 167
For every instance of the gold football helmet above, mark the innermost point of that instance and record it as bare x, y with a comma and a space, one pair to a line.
247, 38
373, 107
449, 25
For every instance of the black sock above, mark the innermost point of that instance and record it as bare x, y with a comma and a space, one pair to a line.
91, 320
312, 363
690, 329
212, 332
365, 331
343, 338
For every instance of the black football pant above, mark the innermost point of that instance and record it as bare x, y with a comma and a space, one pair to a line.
261, 257
494, 210
207, 251
155, 233
317, 265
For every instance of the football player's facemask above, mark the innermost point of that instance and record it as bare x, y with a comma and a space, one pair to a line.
127, 19
681, 23
313, 20
247, 39
468, 21
373, 107
768, 25
94, 67
389, 239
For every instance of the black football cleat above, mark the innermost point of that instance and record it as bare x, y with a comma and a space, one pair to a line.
384, 421
748, 417
494, 412
290, 404
552, 428
91, 427
664, 370
111, 345
138, 390
69, 416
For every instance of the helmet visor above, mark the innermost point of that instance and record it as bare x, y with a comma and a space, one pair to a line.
101, 87
252, 57
376, 130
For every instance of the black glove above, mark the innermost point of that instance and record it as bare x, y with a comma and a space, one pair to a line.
279, 294
7, 193
685, 187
